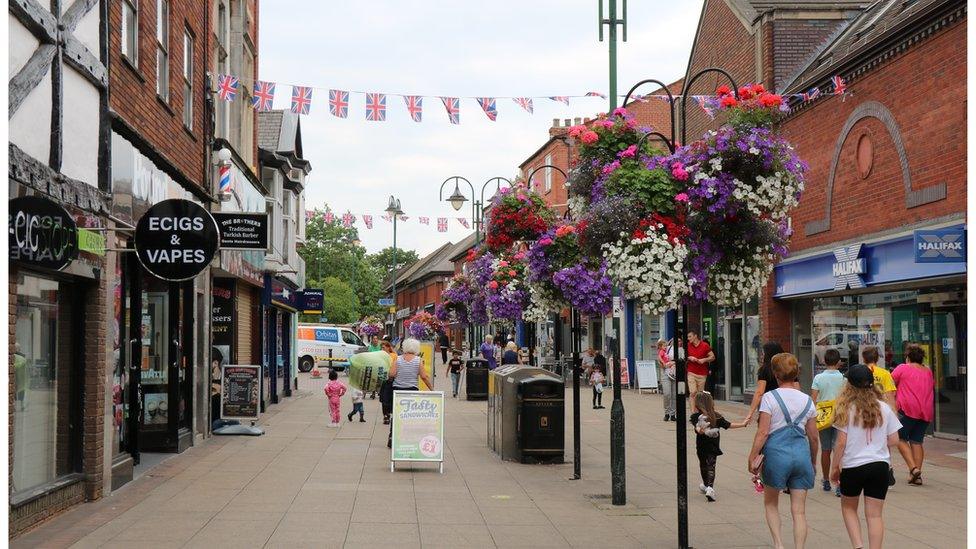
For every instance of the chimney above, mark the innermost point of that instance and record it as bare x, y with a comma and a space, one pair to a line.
555, 122
578, 121
567, 122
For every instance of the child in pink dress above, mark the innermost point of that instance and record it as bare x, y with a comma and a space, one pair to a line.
334, 390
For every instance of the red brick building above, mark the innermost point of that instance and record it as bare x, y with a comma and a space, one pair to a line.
419, 285
887, 166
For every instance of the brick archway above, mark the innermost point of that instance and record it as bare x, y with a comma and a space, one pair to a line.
913, 197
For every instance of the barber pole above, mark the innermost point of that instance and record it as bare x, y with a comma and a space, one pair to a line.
224, 180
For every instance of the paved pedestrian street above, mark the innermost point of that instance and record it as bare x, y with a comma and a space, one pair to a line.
304, 484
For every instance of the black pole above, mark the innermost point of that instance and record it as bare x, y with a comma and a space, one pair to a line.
681, 335
577, 466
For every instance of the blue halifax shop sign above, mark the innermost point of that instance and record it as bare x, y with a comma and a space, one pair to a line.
926, 253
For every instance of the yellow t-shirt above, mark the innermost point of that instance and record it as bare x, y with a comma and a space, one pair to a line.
882, 379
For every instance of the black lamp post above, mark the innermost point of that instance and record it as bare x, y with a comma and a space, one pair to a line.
393, 209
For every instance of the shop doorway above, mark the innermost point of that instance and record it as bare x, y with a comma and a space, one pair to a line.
732, 337
948, 347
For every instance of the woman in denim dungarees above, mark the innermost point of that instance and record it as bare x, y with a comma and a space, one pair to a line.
788, 439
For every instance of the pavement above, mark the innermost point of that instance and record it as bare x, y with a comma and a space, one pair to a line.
304, 484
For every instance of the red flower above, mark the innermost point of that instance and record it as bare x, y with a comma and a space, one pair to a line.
639, 233
493, 285
729, 101
745, 93
770, 100
758, 89
722, 90
511, 273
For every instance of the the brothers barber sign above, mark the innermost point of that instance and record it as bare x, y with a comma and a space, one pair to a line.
41, 233
176, 239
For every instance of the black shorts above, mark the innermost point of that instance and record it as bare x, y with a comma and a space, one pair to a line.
870, 478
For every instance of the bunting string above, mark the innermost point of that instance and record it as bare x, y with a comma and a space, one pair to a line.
350, 220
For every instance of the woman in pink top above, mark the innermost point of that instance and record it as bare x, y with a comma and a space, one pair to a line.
916, 388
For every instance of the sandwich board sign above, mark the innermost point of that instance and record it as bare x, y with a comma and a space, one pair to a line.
240, 398
418, 427
646, 375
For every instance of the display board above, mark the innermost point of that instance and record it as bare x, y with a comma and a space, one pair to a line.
239, 392
426, 364
418, 427
646, 375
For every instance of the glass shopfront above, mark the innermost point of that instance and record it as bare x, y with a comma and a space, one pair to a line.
47, 400
934, 318
734, 335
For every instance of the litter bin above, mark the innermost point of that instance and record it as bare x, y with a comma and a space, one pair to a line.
526, 412
476, 379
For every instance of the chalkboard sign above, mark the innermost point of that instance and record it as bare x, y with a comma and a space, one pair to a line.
239, 390
243, 231
41, 233
176, 239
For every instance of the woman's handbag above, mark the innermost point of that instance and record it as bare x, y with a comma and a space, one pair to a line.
825, 414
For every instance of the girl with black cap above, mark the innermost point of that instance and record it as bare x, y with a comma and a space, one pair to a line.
866, 427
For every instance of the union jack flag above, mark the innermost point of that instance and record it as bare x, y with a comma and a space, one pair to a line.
464, 222
442, 224
263, 97
415, 106
388, 218
596, 94
403, 218
703, 102
524, 102
339, 103
348, 219
811, 94
227, 87
488, 105
328, 217
376, 107
424, 220
561, 98
453, 107
301, 99
840, 86
368, 221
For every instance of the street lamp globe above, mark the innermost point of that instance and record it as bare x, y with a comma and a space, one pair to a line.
223, 155
457, 199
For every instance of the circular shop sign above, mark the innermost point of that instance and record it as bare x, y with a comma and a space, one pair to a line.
176, 239
41, 233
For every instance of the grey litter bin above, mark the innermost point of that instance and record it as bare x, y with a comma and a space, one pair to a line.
476, 379
526, 413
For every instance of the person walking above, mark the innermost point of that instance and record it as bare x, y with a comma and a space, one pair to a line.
374, 344
865, 429
357, 405
827, 386
667, 380
510, 356
598, 377
915, 398
454, 369
488, 352
700, 355
884, 382
445, 344
386, 389
405, 374
334, 390
765, 380
787, 439
707, 423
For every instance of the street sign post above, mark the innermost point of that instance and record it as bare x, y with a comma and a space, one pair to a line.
385, 302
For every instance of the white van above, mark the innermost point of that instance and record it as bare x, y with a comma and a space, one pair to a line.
315, 341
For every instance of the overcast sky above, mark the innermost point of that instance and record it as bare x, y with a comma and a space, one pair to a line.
448, 48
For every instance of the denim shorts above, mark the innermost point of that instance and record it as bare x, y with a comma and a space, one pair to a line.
912, 430
827, 439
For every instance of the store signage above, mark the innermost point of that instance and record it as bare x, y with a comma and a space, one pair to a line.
849, 267
242, 231
222, 316
403, 313
91, 242
277, 293
940, 245
239, 392
418, 426
41, 233
311, 300
176, 239
385, 302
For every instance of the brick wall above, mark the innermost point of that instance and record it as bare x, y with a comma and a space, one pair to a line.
932, 127
132, 89
793, 41
95, 329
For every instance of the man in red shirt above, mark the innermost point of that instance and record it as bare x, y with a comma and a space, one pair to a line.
699, 355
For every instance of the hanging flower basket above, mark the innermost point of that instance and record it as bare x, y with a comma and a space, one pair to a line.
562, 275
507, 294
516, 215
369, 327
456, 301
423, 326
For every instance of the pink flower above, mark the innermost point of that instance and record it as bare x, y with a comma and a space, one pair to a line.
678, 171
511, 273
520, 255
546, 241
493, 285
575, 131
503, 263
589, 137
681, 197
605, 123
565, 230
611, 167
629, 152
620, 111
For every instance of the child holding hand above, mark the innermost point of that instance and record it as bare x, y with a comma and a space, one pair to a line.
357, 404
334, 390
707, 423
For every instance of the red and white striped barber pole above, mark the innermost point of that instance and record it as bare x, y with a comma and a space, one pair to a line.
224, 185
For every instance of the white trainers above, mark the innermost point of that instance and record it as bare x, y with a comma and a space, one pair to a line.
702, 488
710, 493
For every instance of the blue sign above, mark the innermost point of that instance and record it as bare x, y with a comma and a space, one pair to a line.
849, 267
385, 302
327, 335
310, 300
940, 245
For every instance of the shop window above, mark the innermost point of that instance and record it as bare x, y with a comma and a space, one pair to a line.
44, 418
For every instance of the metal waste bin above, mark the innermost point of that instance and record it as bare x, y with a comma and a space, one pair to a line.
476, 379
526, 412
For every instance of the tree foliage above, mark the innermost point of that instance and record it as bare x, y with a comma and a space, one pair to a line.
341, 305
